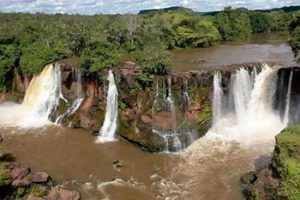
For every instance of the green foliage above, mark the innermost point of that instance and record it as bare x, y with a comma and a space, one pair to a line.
204, 119
9, 56
99, 55
286, 161
35, 56
38, 191
20, 192
260, 22
234, 24
4, 179
279, 20
294, 29
195, 32
76, 39
154, 60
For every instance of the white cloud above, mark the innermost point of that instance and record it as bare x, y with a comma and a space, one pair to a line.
133, 6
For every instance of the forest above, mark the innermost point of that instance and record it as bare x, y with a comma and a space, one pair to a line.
29, 41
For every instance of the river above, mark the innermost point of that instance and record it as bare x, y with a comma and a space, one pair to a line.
272, 48
209, 169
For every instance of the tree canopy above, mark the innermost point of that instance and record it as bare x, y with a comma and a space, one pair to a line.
29, 41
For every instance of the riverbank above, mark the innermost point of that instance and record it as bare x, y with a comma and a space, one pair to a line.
281, 179
18, 181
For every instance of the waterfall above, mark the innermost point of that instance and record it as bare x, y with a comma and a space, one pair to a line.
185, 97
77, 102
242, 87
41, 98
253, 117
170, 105
288, 100
108, 129
164, 106
217, 97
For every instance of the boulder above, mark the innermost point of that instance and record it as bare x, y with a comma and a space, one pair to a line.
19, 172
146, 119
17, 183
62, 194
32, 197
40, 177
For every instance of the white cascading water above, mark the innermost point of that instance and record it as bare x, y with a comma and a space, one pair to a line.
288, 100
185, 95
242, 87
170, 138
109, 127
41, 98
253, 117
217, 97
77, 102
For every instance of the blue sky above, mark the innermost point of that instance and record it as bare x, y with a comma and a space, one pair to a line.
131, 6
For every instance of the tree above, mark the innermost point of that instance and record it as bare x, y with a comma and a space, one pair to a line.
294, 29
195, 32
131, 23
234, 24
76, 38
9, 57
35, 56
154, 60
99, 54
260, 22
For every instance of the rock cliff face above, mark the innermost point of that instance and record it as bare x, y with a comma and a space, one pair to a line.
281, 179
190, 94
163, 113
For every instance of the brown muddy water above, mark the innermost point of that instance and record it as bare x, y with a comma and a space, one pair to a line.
273, 48
208, 169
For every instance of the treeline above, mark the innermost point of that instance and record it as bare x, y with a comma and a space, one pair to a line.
29, 41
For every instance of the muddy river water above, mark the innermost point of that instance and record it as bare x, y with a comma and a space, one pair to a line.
208, 169
258, 48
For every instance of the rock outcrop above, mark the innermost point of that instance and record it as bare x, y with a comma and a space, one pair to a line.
21, 182
281, 179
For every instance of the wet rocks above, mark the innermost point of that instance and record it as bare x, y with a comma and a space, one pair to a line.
18, 171
117, 165
62, 194
20, 182
40, 177
281, 179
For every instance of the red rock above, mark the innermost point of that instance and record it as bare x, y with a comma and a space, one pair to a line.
40, 177
22, 182
146, 119
53, 194
32, 197
62, 194
68, 195
19, 172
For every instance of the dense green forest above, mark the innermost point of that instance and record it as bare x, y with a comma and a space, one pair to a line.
29, 41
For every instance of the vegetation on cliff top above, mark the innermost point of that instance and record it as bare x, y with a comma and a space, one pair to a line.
286, 161
29, 41
294, 29
281, 180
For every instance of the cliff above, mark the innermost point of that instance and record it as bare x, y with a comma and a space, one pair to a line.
281, 179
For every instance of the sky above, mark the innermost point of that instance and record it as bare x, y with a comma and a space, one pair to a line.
91, 7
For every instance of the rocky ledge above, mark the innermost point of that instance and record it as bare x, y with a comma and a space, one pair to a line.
281, 179
20, 182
